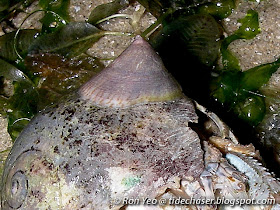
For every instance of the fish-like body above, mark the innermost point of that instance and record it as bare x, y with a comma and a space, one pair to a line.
123, 138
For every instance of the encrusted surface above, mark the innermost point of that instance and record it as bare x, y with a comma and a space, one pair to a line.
105, 153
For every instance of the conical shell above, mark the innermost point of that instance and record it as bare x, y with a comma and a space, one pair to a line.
136, 76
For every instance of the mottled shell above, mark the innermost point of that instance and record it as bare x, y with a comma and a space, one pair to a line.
124, 134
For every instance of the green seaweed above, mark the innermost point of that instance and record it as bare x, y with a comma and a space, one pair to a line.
218, 8
155, 7
248, 30
4, 4
199, 36
225, 88
12, 45
28, 89
251, 109
53, 77
56, 15
104, 10
69, 40
254, 78
12, 4
250, 26
240, 91
21, 106
230, 62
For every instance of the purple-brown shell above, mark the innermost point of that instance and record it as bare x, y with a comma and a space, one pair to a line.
136, 76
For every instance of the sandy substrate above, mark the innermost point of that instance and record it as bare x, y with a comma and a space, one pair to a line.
5, 141
265, 47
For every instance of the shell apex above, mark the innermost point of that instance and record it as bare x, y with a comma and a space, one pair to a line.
137, 76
